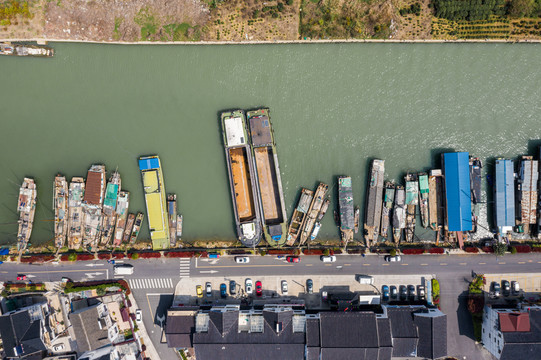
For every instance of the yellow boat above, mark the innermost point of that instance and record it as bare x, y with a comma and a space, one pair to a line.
154, 189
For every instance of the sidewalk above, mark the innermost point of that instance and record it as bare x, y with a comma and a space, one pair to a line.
150, 351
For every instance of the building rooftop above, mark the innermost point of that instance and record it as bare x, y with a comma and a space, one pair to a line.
21, 332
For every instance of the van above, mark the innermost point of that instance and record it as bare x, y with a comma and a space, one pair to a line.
124, 269
364, 279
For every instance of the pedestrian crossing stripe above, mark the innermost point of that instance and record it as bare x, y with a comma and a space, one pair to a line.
151, 283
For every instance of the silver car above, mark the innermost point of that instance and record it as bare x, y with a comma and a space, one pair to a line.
208, 288
242, 259
284, 287
249, 286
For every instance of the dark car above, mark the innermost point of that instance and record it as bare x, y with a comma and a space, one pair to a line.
385, 293
232, 287
223, 290
411, 292
403, 292
394, 292
293, 259
506, 288
258, 288
310, 286
495, 293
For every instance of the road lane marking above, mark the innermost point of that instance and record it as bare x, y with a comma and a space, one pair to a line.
240, 266
309, 264
501, 263
539, 262
384, 264
482, 263
347, 264
404, 264
150, 309
54, 271
424, 264
366, 264
328, 265
443, 263
522, 262
462, 264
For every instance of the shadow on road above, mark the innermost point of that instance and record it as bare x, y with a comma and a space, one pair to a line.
165, 301
465, 325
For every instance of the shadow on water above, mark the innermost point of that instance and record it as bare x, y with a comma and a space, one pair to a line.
435, 155
489, 168
534, 148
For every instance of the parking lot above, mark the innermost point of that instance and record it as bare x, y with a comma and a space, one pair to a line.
297, 291
529, 284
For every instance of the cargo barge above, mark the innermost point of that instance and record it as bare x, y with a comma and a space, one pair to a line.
412, 200
527, 193
27, 208
172, 212
320, 216
243, 184
436, 206
180, 219
345, 202
75, 212
93, 204
128, 229
386, 211
424, 193
298, 215
122, 206
475, 179
60, 207
399, 213
374, 202
313, 212
25, 50
154, 190
136, 227
109, 207
268, 176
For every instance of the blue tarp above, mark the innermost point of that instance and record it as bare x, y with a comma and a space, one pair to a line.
4, 251
457, 191
149, 163
505, 194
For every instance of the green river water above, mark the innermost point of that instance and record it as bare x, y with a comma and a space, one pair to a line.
333, 107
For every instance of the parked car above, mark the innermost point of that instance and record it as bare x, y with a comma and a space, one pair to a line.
403, 292
421, 292
233, 287
66, 279
310, 286
214, 256
411, 292
138, 315
208, 287
258, 288
58, 347
390, 258
223, 290
284, 287
248, 286
385, 293
21, 277
293, 259
394, 292
199, 291
515, 287
495, 293
328, 259
324, 295
506, 288
242, 259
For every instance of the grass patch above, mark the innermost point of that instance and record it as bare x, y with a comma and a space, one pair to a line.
477, 320
182, 32
118, 22
147, 21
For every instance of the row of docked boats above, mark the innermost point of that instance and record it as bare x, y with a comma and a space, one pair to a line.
394, 206
25, 50
254, 177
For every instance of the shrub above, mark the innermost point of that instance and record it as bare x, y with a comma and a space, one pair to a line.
281, 252
72, 257
413, 251
133, 256
326, 252
150, 255
179, 254
536, 248
521, 249
262, 252
436, 250
104, 256
471, 249
488, 249
312, 252
392, 252
435, 289
513, 250
118, 256
85, 257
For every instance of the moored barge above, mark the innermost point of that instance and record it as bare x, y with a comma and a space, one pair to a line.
25, 50
345, 202
268, 176
374, 202
242, 179
313, 211
172, 213
128, 229
75, 212
60, 207
399, 213
527, 192
320, 216
27, 208
109, 207
388, 201
136, 227
298, 215
122, 206
424, 193
412, 200
435, 200
92, 205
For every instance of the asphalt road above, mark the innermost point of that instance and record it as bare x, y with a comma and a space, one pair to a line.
153, 281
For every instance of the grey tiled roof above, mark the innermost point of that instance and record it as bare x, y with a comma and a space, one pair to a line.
87, 332
404, 347
17, 329
179, 329
384, 332
249, 351
524, 345
312, 332
348, 330
432, 336
355, 354
402, 325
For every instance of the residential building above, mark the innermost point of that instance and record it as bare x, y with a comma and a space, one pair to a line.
512, 333
26, 333
289, 332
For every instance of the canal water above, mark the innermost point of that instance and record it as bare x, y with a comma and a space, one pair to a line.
333, 106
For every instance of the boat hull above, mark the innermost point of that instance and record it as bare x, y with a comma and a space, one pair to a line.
60, 206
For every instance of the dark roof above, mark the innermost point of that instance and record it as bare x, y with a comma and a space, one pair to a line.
179, 329
224, 321
355, 354
249, 351
312, 353
94, 187
312, 332
521, 351
520, 344
17, 329
348, 329
384, 332
402, 325
432, 335
88, 334
404, 347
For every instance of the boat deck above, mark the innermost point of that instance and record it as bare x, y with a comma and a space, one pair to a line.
242, 185
260, 130
268, 183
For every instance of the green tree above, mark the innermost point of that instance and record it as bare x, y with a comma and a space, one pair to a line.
72, 257
393, 252
521, 8
499, 248
135, 256
513, 250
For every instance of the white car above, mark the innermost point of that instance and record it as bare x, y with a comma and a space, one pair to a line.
242, 259
138, 315
390, 258
58, 347
284, 287
328, 259
249, 286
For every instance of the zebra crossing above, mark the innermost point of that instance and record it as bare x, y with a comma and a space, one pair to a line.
184, 267
151, 283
